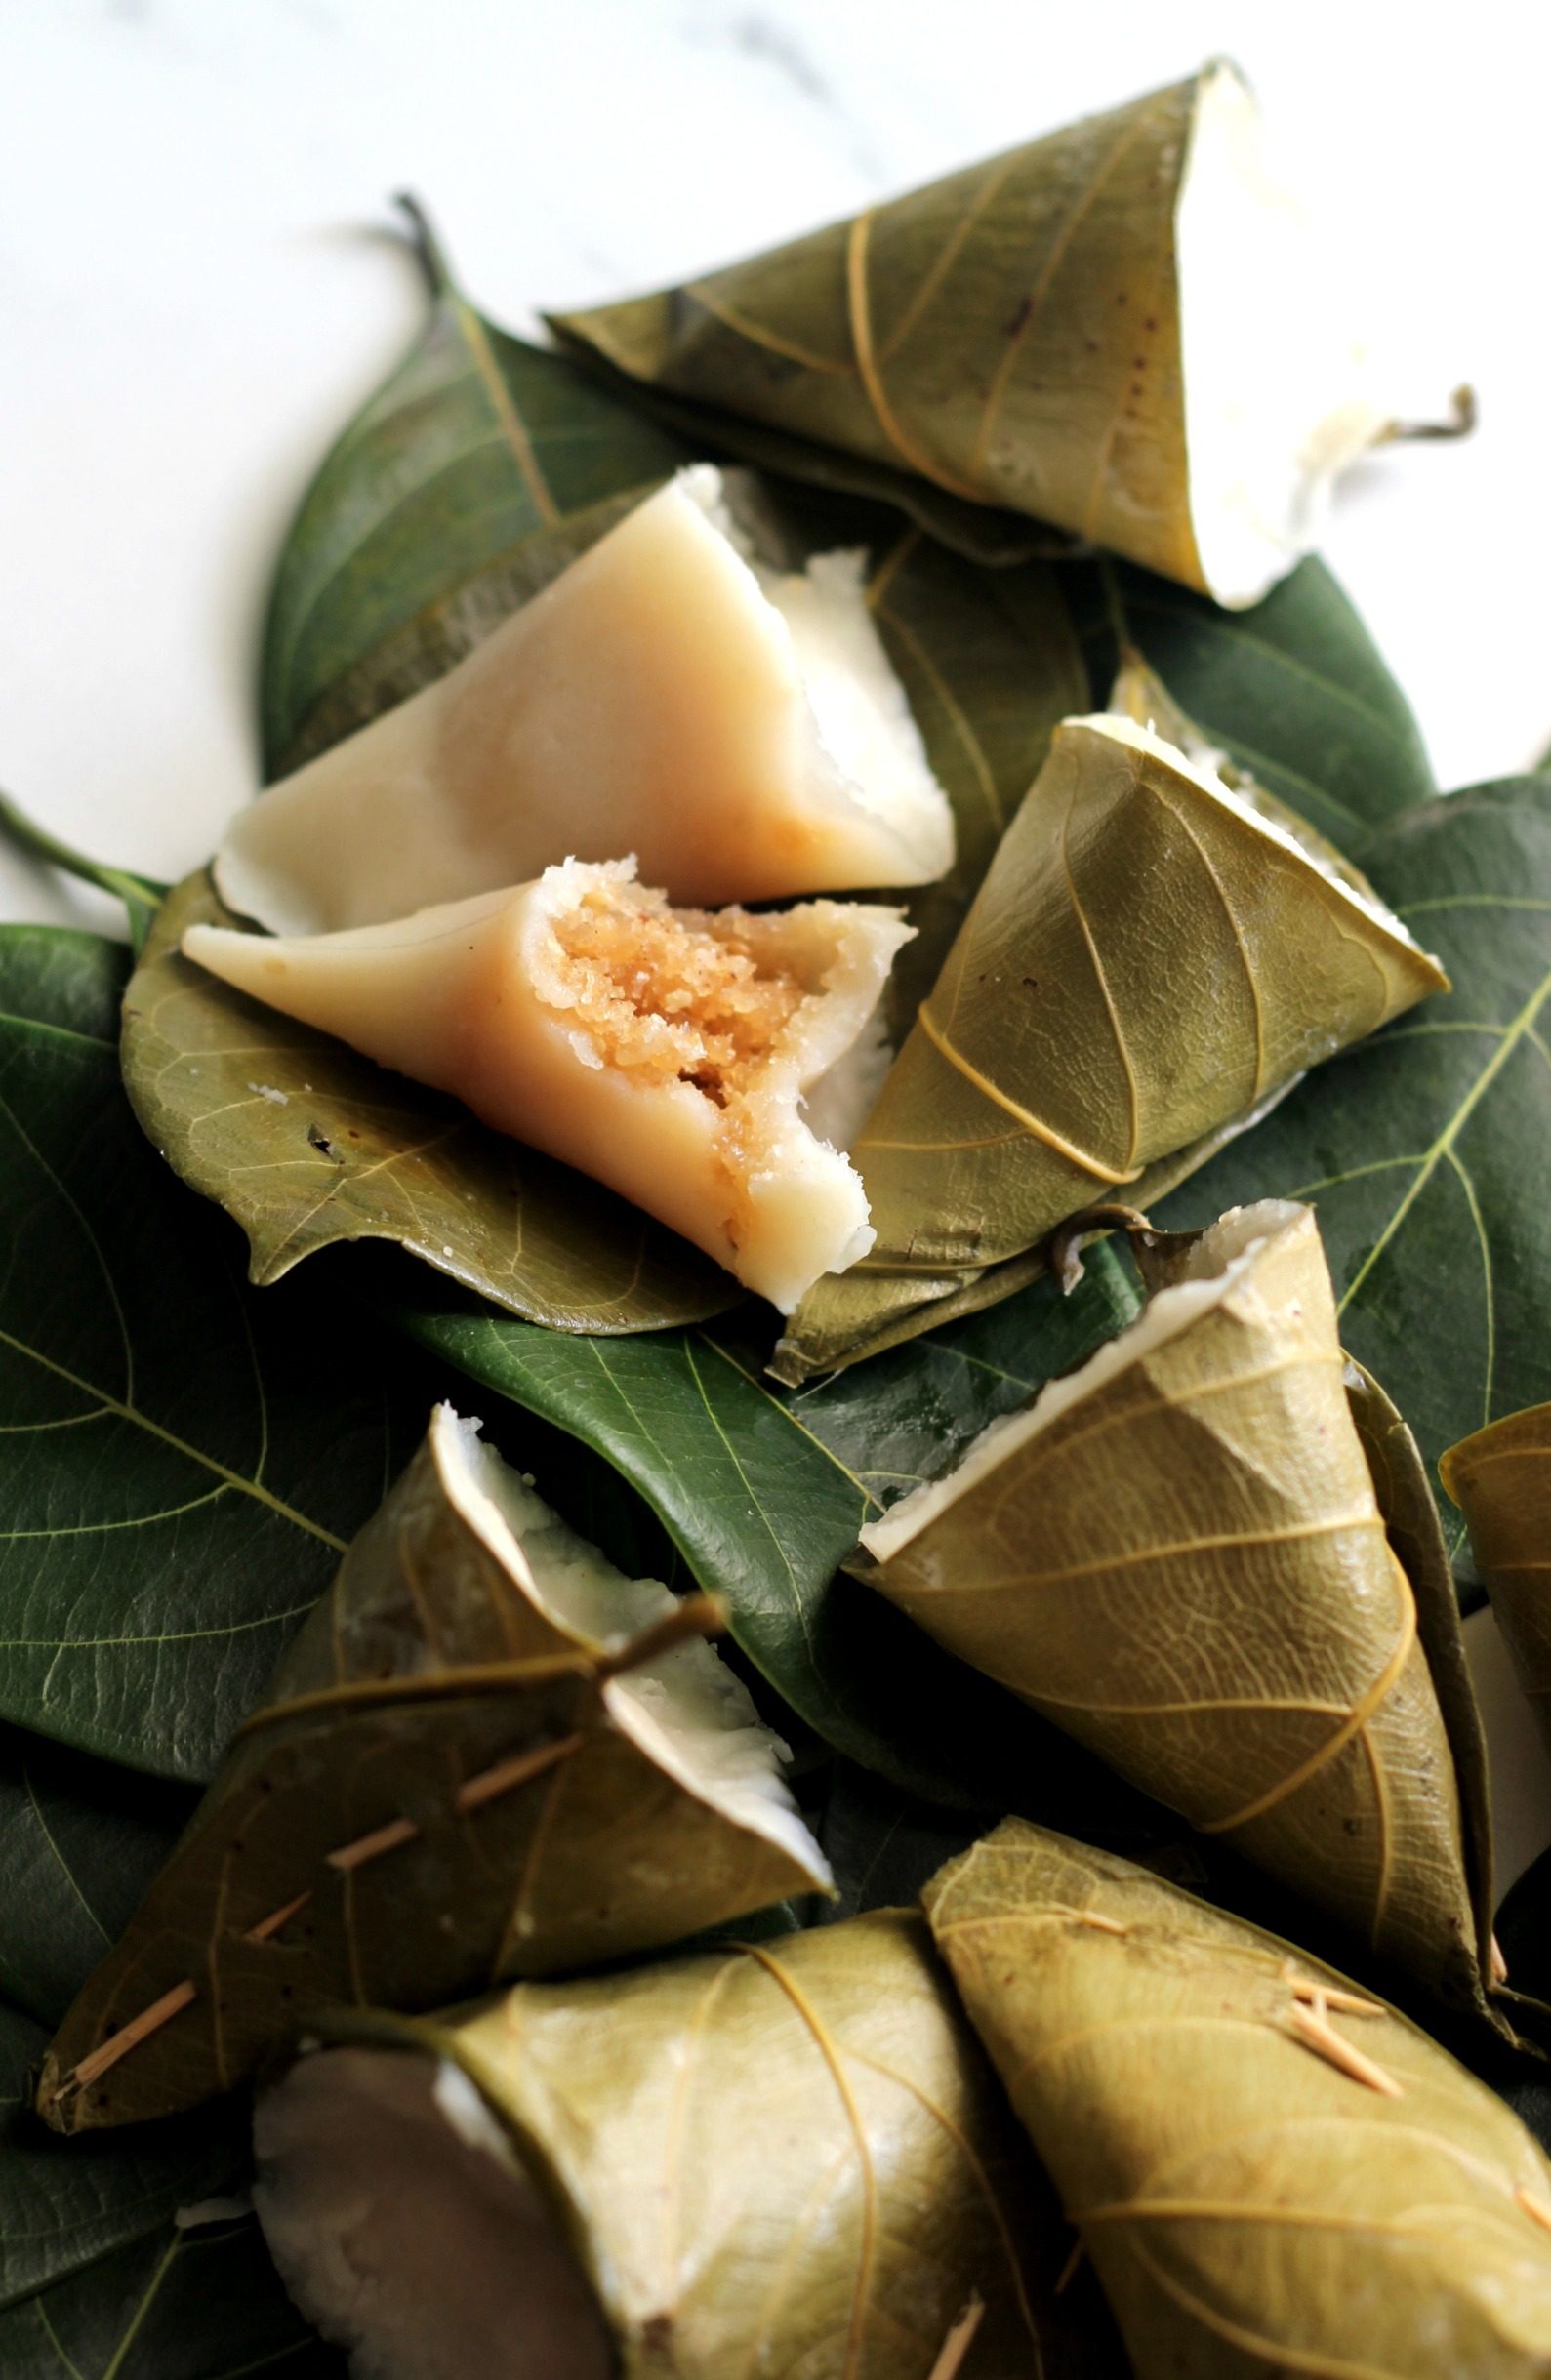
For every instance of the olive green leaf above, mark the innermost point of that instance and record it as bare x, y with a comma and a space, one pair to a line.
1079, 1037
187, 2302
1426, 1149
779, 2157
1178, 1555
479, 468
1501, 1480
764, 1492
1295, 691
483, 1755
181, 1463
1011, 334
1271, 2171
305, 1143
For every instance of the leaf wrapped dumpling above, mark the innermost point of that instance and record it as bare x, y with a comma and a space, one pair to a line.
786, 2159
1128, 329
487, 1753
1176, 1554
1272, 2171
1500, 1479
1150, 959
739, 729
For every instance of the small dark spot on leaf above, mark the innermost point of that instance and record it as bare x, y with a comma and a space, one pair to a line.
656, 2333
1019, 316
1031, 982
1151, 323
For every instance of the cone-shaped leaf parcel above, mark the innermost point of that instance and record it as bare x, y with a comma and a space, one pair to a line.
1501, 1481
1149, 960
487, 1753
1271, 2171
781, 2160
1120, 329
1176, 1552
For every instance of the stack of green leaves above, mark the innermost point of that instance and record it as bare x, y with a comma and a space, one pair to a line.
186, 1456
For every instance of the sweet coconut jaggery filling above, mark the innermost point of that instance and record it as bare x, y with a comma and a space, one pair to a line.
674, 994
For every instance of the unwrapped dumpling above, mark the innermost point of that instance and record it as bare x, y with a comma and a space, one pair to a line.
738, 728
665, 1051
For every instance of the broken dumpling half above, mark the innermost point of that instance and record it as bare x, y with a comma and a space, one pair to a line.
738, 727
669, 1053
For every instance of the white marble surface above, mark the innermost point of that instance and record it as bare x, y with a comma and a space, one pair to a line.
194, 293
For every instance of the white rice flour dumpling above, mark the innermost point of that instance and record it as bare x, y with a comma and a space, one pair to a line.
739, 729
669, 1053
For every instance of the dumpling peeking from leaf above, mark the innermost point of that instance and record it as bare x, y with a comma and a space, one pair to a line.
487, 1753
1176, 1552
1272, 2170
786, 2160
1151, 959
667, 1053
738, 727
1131, 329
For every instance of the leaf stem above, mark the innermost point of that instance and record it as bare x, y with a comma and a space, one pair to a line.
427, 243
141, 895
1461, 422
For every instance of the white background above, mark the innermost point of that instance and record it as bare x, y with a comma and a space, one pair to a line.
195, 291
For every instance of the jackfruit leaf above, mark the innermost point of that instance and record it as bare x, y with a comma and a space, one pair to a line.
79, 1842
181, 1463
305, 1144
1077, 1039
1186, 1566
1009, 334
450, 1782
1425, 1149
788, 2156
1263, 2182
1294, 690
473, 475
187, 2302
1500, 1480
63, 2208
764, 1491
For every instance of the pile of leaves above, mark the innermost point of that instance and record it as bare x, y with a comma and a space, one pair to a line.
191, 1431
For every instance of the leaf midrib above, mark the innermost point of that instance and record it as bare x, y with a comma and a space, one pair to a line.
142, 1421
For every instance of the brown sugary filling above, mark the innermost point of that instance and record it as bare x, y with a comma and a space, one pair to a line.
674, 994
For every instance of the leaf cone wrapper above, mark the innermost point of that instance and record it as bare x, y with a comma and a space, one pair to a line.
1064, 331
1500, 1479
1177, 1554
463, 1771
1265, 2183
1148, 962
786, 2157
